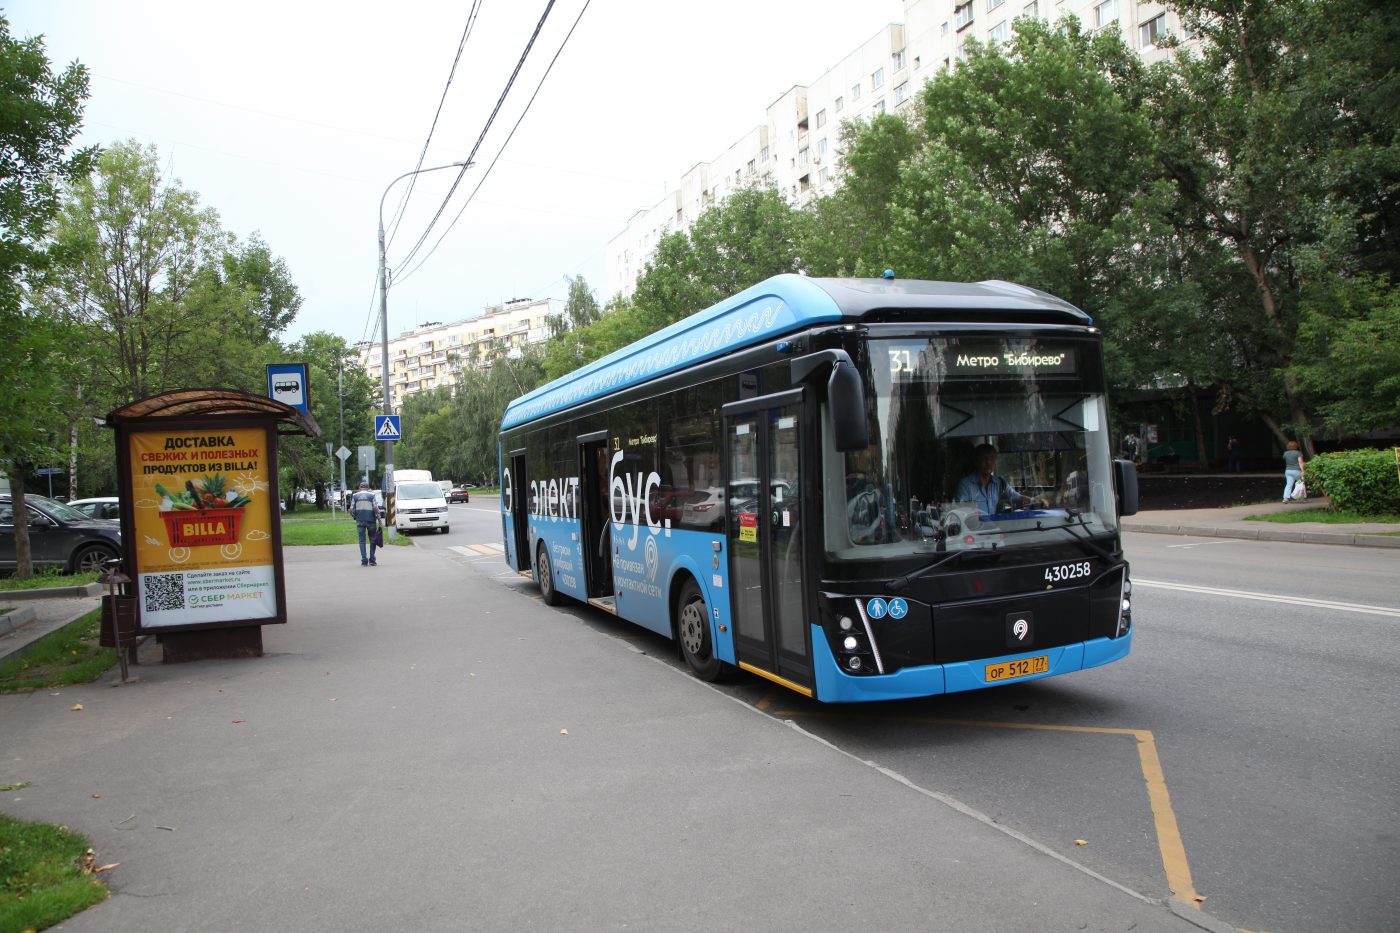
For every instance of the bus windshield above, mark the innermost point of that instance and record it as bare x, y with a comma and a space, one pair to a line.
977, 442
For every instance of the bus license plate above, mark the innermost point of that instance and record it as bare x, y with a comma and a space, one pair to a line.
1008, 670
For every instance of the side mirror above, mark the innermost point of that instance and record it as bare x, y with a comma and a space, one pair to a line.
845, 395
1125, 478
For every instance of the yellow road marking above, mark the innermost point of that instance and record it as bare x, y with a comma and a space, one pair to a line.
767, 701
1169, 844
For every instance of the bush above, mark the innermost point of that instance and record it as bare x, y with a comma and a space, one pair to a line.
1361, 481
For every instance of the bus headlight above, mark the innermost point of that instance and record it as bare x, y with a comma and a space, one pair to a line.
1125, 608
849, 635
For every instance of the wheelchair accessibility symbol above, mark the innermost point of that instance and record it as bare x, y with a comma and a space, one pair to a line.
895, 608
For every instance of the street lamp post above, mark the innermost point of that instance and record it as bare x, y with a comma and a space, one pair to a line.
384, 322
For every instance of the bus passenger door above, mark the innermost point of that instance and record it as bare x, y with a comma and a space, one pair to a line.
766, 537
520, 511
594, 525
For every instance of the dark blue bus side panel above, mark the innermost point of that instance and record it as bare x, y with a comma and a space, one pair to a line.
649, 566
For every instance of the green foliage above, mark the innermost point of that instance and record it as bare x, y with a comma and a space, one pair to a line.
70, 655
848, 231
43, 875
1349, 339
1363, 481
40, 115
753, 235
338, 387
48, 578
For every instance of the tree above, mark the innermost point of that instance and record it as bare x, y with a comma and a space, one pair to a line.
264, 279
1349, 355
1278, 145
848, 231
143, 275
1029, 165
566, 351
40, 115
752, 235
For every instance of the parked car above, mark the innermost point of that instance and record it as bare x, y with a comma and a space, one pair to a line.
108, 507
459, 494
59, 536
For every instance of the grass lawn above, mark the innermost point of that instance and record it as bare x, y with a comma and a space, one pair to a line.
47, 578
47, 875
70, 655
319, 528
1325, 516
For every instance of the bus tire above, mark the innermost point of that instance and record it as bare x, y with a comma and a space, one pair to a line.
544, 576
693, 633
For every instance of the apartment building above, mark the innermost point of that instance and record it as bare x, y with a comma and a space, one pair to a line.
797, 146
435, 354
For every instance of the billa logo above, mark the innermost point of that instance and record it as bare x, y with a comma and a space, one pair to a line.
195, 529
201, 529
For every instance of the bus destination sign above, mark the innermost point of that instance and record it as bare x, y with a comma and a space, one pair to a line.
958, 359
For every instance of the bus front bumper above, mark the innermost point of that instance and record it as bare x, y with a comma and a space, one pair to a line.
834, 685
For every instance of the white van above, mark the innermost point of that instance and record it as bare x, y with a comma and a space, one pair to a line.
411, 476
419, 504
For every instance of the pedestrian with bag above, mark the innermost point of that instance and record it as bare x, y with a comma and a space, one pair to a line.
365, 510
1293, 465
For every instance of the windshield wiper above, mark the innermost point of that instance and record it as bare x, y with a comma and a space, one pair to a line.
1087, 539
899, 583
1074, 519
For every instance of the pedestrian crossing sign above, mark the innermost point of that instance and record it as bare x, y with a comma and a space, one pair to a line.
386, 428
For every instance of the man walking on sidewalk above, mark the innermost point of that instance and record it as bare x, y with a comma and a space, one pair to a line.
365, 509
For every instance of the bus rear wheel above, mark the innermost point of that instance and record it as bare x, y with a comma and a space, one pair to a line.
693, 632
544, 576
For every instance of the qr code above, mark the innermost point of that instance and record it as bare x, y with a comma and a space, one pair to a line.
165, 591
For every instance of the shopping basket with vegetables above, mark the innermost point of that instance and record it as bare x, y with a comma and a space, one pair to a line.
204, 512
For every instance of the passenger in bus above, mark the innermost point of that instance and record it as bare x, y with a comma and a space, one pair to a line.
990, 492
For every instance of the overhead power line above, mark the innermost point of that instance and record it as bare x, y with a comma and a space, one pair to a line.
487, 174
462, 44
477, 145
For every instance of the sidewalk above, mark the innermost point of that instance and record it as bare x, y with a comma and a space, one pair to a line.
424, 746
1230, 523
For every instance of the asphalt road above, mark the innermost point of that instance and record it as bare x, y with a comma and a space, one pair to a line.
1244, 753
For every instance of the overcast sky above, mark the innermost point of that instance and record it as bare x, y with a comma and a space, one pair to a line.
290, 118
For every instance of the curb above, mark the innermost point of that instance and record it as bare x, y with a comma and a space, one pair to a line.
15, 618
57, 592
1194, 915
9, 654
1272, 534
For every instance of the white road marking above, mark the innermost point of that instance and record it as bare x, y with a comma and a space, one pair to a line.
1204, 543
1270, 598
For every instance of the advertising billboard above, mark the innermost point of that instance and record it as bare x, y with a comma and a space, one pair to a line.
203, 513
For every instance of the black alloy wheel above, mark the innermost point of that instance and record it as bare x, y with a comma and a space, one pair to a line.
544, 576
693, 632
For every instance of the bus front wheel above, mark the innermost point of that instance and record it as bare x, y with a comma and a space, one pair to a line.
544, 576
693, 632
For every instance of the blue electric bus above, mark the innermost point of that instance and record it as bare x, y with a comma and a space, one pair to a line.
860, 489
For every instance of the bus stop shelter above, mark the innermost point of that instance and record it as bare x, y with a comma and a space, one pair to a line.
201, 525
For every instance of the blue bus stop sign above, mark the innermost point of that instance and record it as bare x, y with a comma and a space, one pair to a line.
286, 382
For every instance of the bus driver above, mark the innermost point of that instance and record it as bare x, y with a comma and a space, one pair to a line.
983, 487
